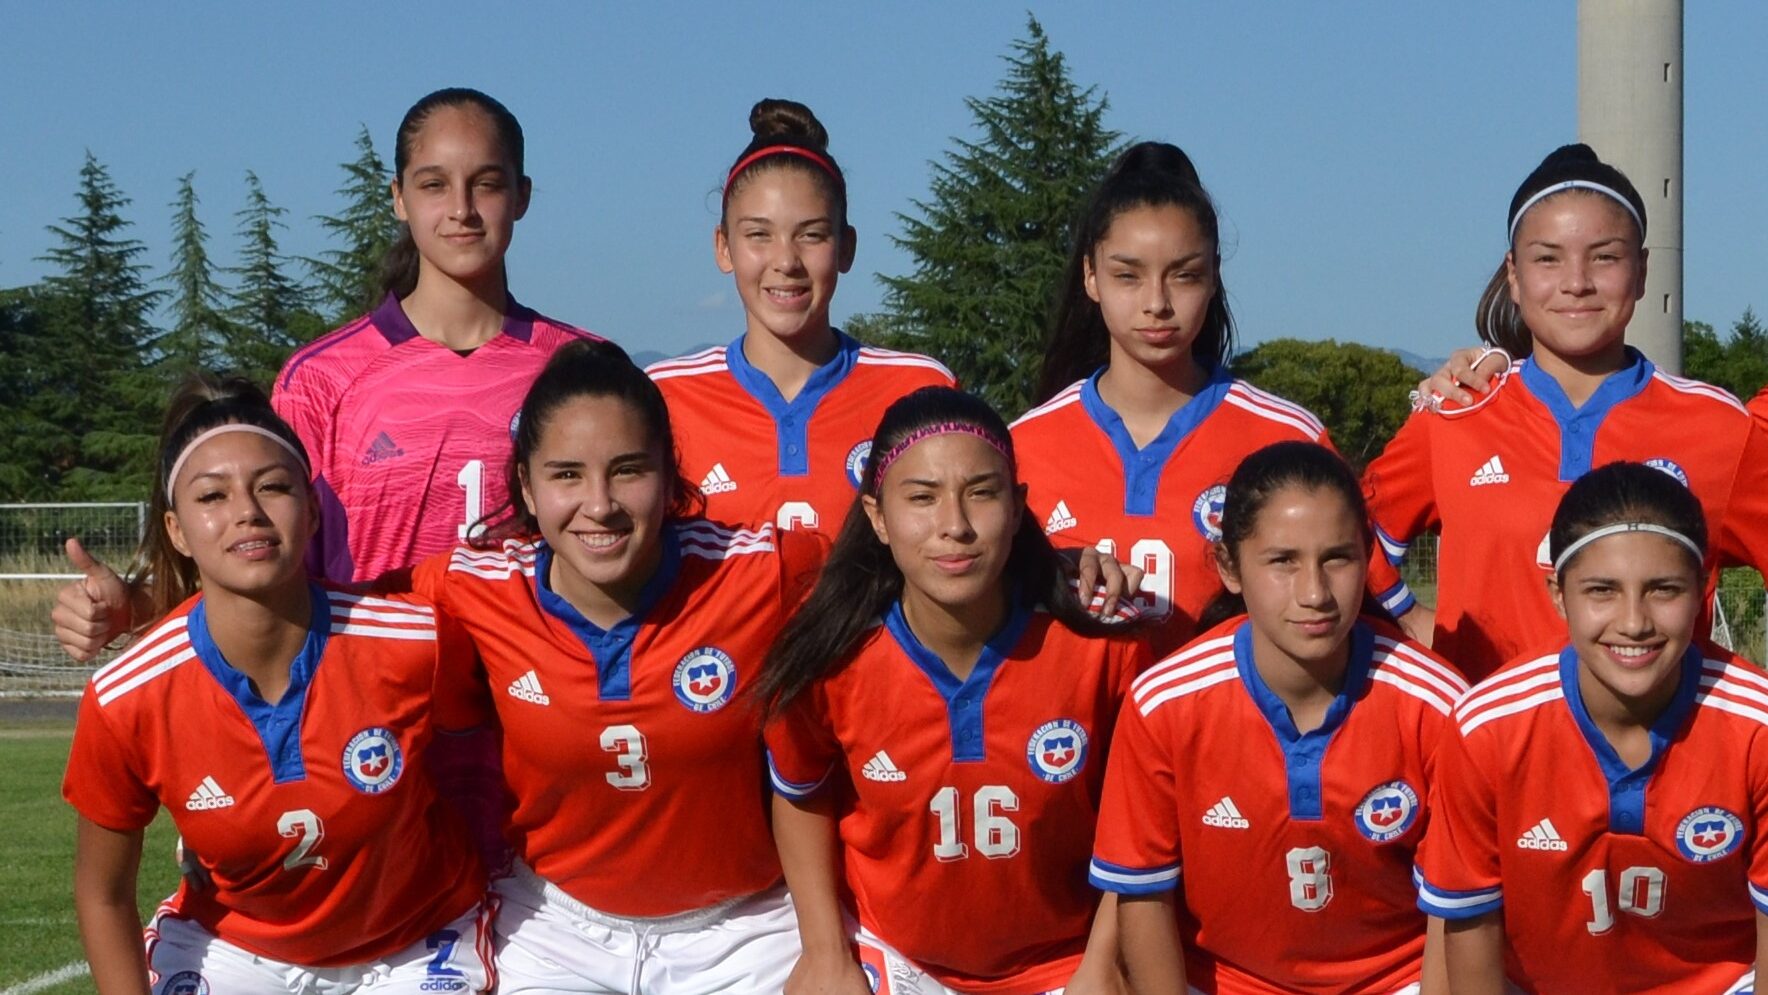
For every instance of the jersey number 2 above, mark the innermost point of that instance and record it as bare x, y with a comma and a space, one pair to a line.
303, 826
996, 836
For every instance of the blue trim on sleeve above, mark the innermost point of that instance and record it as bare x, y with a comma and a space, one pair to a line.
1626, 786
278, 725
1759, 896
1391, 548
1107, 876
1578, 425
1303, 752
793, 789
1142, 468
792, 418
609, 649
963, 699
1398, 599
1446, 904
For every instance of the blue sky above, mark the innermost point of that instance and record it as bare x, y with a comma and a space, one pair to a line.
1362, 153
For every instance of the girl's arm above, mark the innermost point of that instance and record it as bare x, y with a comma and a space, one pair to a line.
1474, 953
1761, 948
1436, 968
1099, 973
1149, 933
804, 832
105, 865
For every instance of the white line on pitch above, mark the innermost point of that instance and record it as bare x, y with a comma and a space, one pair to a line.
68, 972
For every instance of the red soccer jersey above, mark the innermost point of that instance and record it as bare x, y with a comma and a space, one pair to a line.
759, 458
958, 800
1297, 849
637, 770
315, 816
1159, 507
1490, 476
409, 439
1608, 878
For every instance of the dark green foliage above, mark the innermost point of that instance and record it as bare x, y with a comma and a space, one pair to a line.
1360, 392
199, 333
349, 277
1739, 363
266, 307
990, 240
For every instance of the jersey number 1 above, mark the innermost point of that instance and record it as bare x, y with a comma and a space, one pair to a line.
471, 479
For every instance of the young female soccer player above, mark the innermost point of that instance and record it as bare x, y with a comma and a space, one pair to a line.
407, 411
942, 767
1282, 760
1141, 423
616, 632
1578, 397
776, 425
1598, 814
289, 729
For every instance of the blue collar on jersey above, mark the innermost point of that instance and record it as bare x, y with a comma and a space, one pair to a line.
1142, 467
1626, 786
395, 325
1304, 752
278, 725
1578, 425
963, 699
792, 419
610, 649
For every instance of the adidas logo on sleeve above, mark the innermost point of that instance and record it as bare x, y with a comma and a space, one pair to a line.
717, 481
1490, 472
208, 795
879, 768
1542, 836
1059, 519
1224, 815
527, 688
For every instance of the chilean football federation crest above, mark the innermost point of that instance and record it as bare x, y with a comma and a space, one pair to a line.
1708, 834
1206, 512
1670, 467
186, 983
705, 679
1057, 750
373, 760
856, 462
1387, 811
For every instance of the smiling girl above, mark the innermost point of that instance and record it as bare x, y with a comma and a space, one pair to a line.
1141, 424
940, 709
1280, 763
1578, 397
777, 425
1599, 811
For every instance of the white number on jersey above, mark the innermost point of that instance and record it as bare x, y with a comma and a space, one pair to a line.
304, 827
628, 746
797, 515
1154, 599
995, 835
1641, 893
472, 480
1310, 878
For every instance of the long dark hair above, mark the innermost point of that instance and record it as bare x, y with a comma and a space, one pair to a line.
399, 267
861, 578
584, 368
1259, 477
1626, 492
200, 403
1148, 174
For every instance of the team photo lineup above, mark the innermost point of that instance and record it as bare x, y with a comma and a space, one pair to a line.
472, 656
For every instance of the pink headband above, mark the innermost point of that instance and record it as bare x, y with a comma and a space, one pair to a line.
772, 150
943, 428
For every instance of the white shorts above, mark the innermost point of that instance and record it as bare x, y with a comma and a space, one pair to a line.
890, 973
183, 958
548, 943
1411, 989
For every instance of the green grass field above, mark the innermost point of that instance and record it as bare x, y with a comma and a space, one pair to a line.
37, 931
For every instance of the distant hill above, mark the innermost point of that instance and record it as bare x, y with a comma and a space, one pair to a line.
648, 356
1423, 364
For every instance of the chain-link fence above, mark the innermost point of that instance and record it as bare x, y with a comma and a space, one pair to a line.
33, 566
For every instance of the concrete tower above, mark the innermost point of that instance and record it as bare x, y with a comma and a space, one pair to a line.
1630, 112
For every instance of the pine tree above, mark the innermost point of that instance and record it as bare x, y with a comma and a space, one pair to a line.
199, 333
267, 309
349, 277
992, 237
95, 311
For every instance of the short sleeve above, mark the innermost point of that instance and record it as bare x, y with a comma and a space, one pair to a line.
461, 697
1458, 872
293, 400
801, 746
101, 782
1136, 848
1743, 536
1758, 782
1402, 505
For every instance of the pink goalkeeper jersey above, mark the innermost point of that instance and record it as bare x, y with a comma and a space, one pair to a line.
409, 439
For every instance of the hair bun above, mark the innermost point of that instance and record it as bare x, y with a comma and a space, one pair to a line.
789, 121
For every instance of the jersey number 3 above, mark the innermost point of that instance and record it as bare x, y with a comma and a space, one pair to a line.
628, 746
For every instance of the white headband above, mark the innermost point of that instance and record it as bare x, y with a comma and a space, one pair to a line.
178, 464
1574, 185
1619, 528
